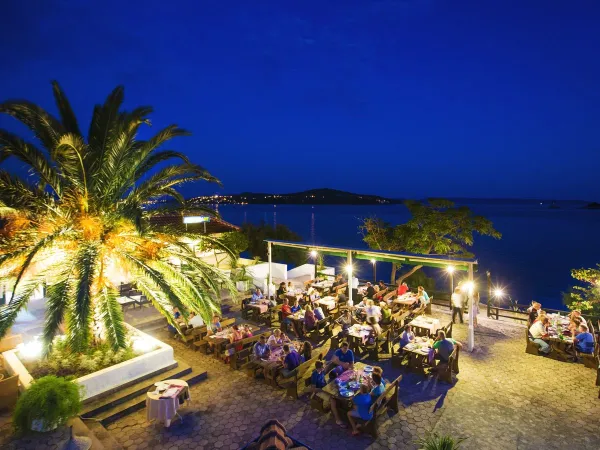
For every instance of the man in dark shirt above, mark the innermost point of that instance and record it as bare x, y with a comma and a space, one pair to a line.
370, 290
534, 311
291, 360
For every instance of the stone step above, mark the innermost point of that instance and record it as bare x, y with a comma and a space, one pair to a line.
133, 404
103, 435
139, 386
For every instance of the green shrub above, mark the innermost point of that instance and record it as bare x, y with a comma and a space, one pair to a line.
434, 441
53, 400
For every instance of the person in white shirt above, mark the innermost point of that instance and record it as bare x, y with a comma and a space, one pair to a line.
457, 305
195, 320
373, 310
538, 331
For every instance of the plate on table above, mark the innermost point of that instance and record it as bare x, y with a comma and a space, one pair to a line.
368, 369
343, 385
346, 393
353, 384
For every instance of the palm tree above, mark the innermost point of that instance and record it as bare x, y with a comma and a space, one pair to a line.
83, 214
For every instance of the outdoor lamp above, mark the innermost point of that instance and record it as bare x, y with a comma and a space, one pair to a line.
450, 269
349, 269
313, 253
468, 287
372, 261
498, 292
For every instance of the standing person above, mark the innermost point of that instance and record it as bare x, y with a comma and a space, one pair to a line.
457, 305
372, 311
370, 292
534, 311
476, 299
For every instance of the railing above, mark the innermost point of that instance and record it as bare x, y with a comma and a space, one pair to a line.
518, 311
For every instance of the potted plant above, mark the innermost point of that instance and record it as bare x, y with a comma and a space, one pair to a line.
434, 441
241, 278
48, 403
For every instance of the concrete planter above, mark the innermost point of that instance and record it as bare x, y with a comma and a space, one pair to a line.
97, 383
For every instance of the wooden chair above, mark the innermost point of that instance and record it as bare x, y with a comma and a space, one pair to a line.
323, 328
9, 392
242, 357
399, 357
445, 370
385, 402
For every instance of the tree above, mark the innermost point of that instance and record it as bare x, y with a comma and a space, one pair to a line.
236, 241
586, 297
257, 247
437, 226
84, 215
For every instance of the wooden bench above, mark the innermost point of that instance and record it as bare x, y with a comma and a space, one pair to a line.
192, 335
323, 328
297, 381
383, 344
389, 295
386, 401
203, 343
9, 392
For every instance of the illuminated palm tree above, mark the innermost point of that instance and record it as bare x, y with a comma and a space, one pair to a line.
83, 214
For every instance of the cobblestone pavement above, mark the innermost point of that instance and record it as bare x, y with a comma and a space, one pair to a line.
504, 399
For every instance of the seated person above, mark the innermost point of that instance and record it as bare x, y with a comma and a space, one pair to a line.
574, 325
306, 352
374, 334
317, 379
407, 336
378, 386
534, 311
176, 317
584, 341
319, 313
257, 295
344, 357
286, 311
261, 348
281, 290
296, 307
402, 289
422, 296
386, 314
246, 331
577, 314
345, 321
372, 311
309, 319
443, 347
362, 405
370, 291
215, 325
291, 360
277, 339
196, 320
538, 331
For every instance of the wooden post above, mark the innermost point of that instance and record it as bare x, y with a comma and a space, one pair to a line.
269, 277
350, 275
471, 336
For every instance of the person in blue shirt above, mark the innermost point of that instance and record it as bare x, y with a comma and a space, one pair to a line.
291, 360
584, 341
317, 379
344, 357
378, 386
362, 405
257, 295
296, 307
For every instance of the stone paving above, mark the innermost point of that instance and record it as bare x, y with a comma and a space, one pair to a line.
504, 399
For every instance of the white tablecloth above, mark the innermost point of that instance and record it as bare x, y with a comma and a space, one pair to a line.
430, 323
165, 408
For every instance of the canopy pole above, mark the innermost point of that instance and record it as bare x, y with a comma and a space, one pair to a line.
471, 337
350, 275
269, 277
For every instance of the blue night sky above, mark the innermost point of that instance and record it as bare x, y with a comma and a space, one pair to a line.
406, 98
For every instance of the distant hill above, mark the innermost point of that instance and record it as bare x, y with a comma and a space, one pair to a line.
323, 196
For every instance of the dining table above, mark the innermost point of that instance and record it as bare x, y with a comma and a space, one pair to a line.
221, 338
273, 364
356, 334
406, 300
360, 370
262, 306
163, 402
418, 353
328, 302
427, 323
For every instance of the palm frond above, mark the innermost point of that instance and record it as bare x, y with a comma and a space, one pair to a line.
9, 313
69, 121
111, 314
57, 296
44, 126
80, 311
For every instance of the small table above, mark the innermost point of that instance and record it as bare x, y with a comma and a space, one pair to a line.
356, 333
430, 324
273, 364
333, 390
297, 320
165, 409
328, 302
418, 352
